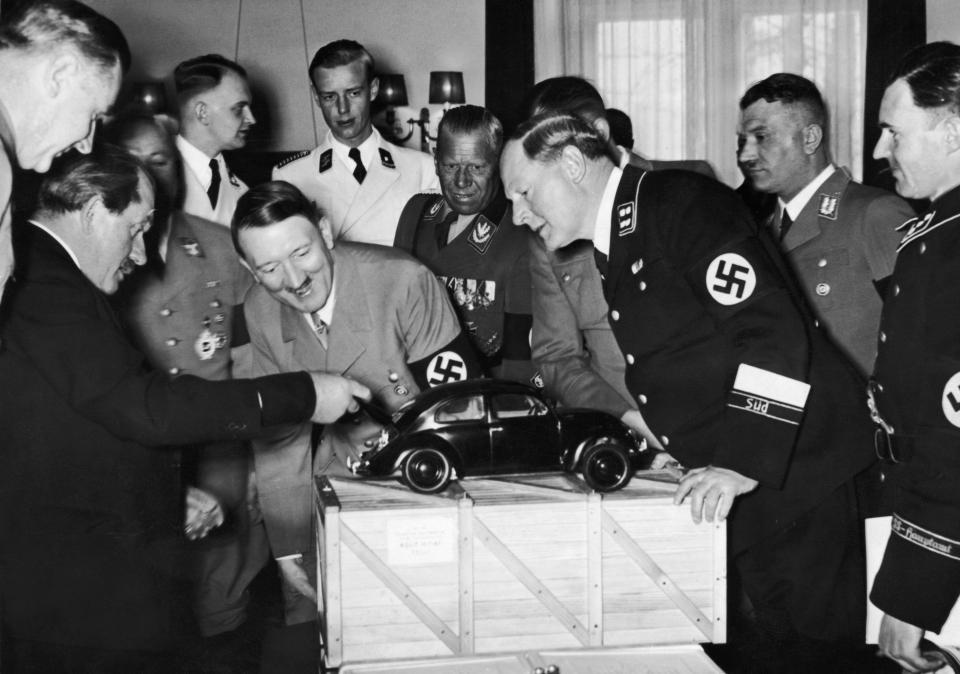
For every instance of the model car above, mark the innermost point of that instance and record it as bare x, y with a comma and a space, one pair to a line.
496, 427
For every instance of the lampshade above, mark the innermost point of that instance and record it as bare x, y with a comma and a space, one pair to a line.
446, 86
393, 90
150, 95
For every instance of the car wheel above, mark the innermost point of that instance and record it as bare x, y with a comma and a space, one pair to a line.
427, 471
606, 467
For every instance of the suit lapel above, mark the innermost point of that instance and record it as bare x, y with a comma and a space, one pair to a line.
822, 209
379, 179
352, 322
624, 223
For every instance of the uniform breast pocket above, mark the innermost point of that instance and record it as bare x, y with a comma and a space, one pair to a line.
585, 294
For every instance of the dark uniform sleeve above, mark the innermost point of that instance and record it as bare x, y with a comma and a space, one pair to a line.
438, 351
515, 355
86, 358
739, 286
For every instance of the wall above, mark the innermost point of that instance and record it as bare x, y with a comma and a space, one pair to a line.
275, 39
943, 20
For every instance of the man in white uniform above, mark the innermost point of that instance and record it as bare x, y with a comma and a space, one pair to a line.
356, 178
215, 115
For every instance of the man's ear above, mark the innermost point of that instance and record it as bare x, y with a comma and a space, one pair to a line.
61, 68
374, 88
243, 261
812, 138
200, 111
314, 92
88, 214
573, 163
951, 133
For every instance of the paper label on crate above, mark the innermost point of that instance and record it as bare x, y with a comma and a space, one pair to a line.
421, 540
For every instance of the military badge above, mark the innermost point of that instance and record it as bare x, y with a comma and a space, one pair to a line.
730, 279
481, 234
387, 159
212, 284
233, 179
206, 344
627, 223
829, 206
326, 161
636, 266
537, 380
437, 205
190, 246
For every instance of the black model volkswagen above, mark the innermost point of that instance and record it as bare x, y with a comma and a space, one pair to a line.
496, 427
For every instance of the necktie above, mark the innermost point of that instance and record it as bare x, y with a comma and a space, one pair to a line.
359, 173
214, 190
320, 329
601, 261
786, 222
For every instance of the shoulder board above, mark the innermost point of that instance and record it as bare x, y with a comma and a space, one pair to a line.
293, 157
387, 159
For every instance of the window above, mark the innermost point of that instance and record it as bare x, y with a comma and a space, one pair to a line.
510, 405
465, 408
679, 67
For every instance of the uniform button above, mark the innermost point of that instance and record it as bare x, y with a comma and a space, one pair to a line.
880, 387
883, 476
642, 399
816, 322
566, 278
236, 426
630, 359
823, 289
643, 285
664, 440
393, 376
615, 315
401, 390
216, 304
172, 341
883, 337
174, 370
923, 247
165, 312
896, 289
821, 262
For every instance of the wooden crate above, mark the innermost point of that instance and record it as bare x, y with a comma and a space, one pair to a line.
527, 562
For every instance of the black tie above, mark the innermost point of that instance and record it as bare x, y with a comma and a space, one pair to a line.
785, 224
601, 261
214, 190
359, 173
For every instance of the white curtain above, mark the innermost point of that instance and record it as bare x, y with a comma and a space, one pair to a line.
679, 67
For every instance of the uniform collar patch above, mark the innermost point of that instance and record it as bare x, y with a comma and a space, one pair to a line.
481, 233
386, 159
326, 160
918, 227
434, 209
627, 223
828, 206
190, 246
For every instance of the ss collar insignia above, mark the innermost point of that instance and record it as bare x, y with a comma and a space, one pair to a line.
386, 159
828, 206
627, 223
326, 160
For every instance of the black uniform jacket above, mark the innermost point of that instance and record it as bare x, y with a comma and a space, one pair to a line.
720, 350
87, 506
917, 391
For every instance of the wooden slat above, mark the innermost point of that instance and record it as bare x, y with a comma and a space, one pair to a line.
663, 581
332, 604
465, 566
403, 591
532, 583
595, 568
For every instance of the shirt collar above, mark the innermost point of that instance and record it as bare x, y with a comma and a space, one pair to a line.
198, 161
56, 238
601, 230
796, 205
325, 313
368, 149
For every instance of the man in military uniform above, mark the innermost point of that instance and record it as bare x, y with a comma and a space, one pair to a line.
181, 309
356, 178
60, 70
214, 100
727, 370
366, 312
465, 237
840, 237
916, 387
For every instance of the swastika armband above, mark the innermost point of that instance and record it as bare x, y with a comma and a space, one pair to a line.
768, 394
455, 361
925, 538
730, 279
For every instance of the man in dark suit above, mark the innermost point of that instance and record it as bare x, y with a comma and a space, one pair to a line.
60, 70
728, 371
839, 237
90, 510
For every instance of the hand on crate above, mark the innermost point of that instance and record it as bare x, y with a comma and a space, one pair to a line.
294, 575
712, 491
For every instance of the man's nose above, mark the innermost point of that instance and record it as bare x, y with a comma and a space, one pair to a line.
138, 253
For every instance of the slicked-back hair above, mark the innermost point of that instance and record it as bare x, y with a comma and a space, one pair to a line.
470, 119
128, 124
543, 137
45, 24
932, 71
201, 74
341, 53
267, 204
789, 89
569, 94
109, 173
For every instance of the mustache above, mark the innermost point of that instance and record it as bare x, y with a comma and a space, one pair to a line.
303, 286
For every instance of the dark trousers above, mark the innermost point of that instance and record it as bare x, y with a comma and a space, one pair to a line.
22, 656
